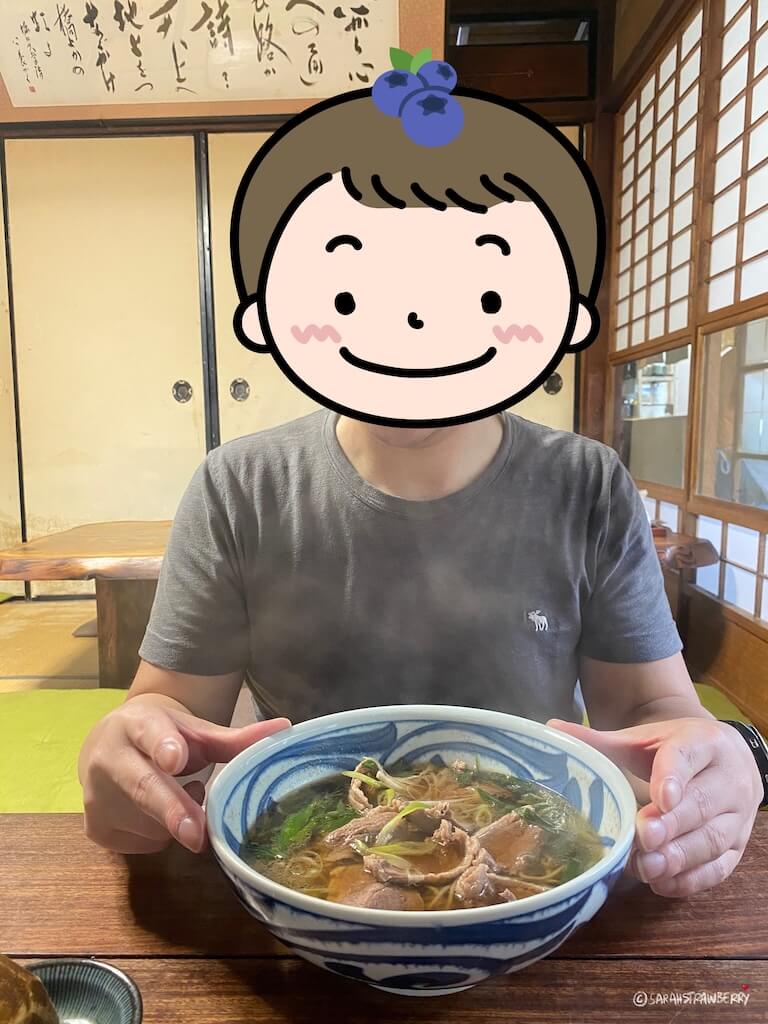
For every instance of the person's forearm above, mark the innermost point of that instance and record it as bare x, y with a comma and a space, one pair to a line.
666, 709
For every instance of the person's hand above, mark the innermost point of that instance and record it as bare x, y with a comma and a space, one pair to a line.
132, 802
705, 789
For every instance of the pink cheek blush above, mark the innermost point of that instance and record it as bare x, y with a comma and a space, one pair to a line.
303, 335
507, 334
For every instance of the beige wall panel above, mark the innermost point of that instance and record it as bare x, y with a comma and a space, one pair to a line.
556, 411
273, 399
10, 511
104, 250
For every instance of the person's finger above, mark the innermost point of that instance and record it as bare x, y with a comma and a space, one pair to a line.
699, 879
155, 733
209, 743
160, 797
692, 850
705, 797
680, 759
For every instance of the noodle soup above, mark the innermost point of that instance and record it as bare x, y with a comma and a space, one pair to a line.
422, 837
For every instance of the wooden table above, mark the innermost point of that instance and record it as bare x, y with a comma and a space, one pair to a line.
124, 559
171, 921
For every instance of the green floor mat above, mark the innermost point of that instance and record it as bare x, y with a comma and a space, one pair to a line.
41, 732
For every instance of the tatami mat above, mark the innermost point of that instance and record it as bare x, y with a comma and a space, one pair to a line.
38, 650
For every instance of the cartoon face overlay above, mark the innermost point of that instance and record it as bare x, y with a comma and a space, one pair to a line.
417, 315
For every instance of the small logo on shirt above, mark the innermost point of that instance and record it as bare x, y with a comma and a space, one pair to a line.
539, 621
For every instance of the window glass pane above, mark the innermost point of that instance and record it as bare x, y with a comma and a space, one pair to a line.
658, 294
638, 332
678, 284
754, 277
668, 65
736, 37
708, 578
622, 338
678, 316
759, 100
739, 588
686, 143
641, 245
664, 133
649, 91
711, 530
646, 124
725, 210
650, 507
731, 7
644, 156
639, 304
625, 256
681, 215
731, 124
689, 72
762, 12
721, 291
652, 407
728, 167
622, 313
742, 546
757, 190
625, 231
639, 276
756, 237
668, 514
630, 144
665, 100
723, 252
733, 81
691, 35
761, 54
662, 184
733, 459
656, 325
643, 185
641, 214
756, 347
758, 145
684, 178
687, 107
660, 231
631, 116
624, 286
659, 262
764, 609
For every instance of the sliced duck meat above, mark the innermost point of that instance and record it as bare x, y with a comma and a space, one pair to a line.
510, 839
358, 791
353, 886
517, 886
427, 819
454, 852
366, 827
475, 887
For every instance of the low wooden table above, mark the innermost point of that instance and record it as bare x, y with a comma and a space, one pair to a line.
124, 559
172, 923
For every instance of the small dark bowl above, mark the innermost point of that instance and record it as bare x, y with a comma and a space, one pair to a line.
89, 991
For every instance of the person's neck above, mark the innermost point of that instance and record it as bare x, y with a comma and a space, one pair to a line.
420, 464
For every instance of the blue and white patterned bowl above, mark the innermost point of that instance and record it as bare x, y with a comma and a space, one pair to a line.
421, 952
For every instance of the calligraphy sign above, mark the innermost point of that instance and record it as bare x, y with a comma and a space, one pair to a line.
96, 52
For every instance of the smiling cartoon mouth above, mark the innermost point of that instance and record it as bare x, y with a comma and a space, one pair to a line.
430, 371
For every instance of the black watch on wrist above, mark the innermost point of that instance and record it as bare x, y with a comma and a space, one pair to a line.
759, 749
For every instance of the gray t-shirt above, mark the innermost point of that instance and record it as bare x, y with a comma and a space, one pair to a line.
283, 561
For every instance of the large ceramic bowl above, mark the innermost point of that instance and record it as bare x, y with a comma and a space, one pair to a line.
421, 952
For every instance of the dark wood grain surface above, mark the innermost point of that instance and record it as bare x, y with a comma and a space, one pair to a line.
171, 921
256, 991
60, 894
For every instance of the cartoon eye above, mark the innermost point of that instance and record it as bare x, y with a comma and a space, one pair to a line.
344, 303
491, 302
